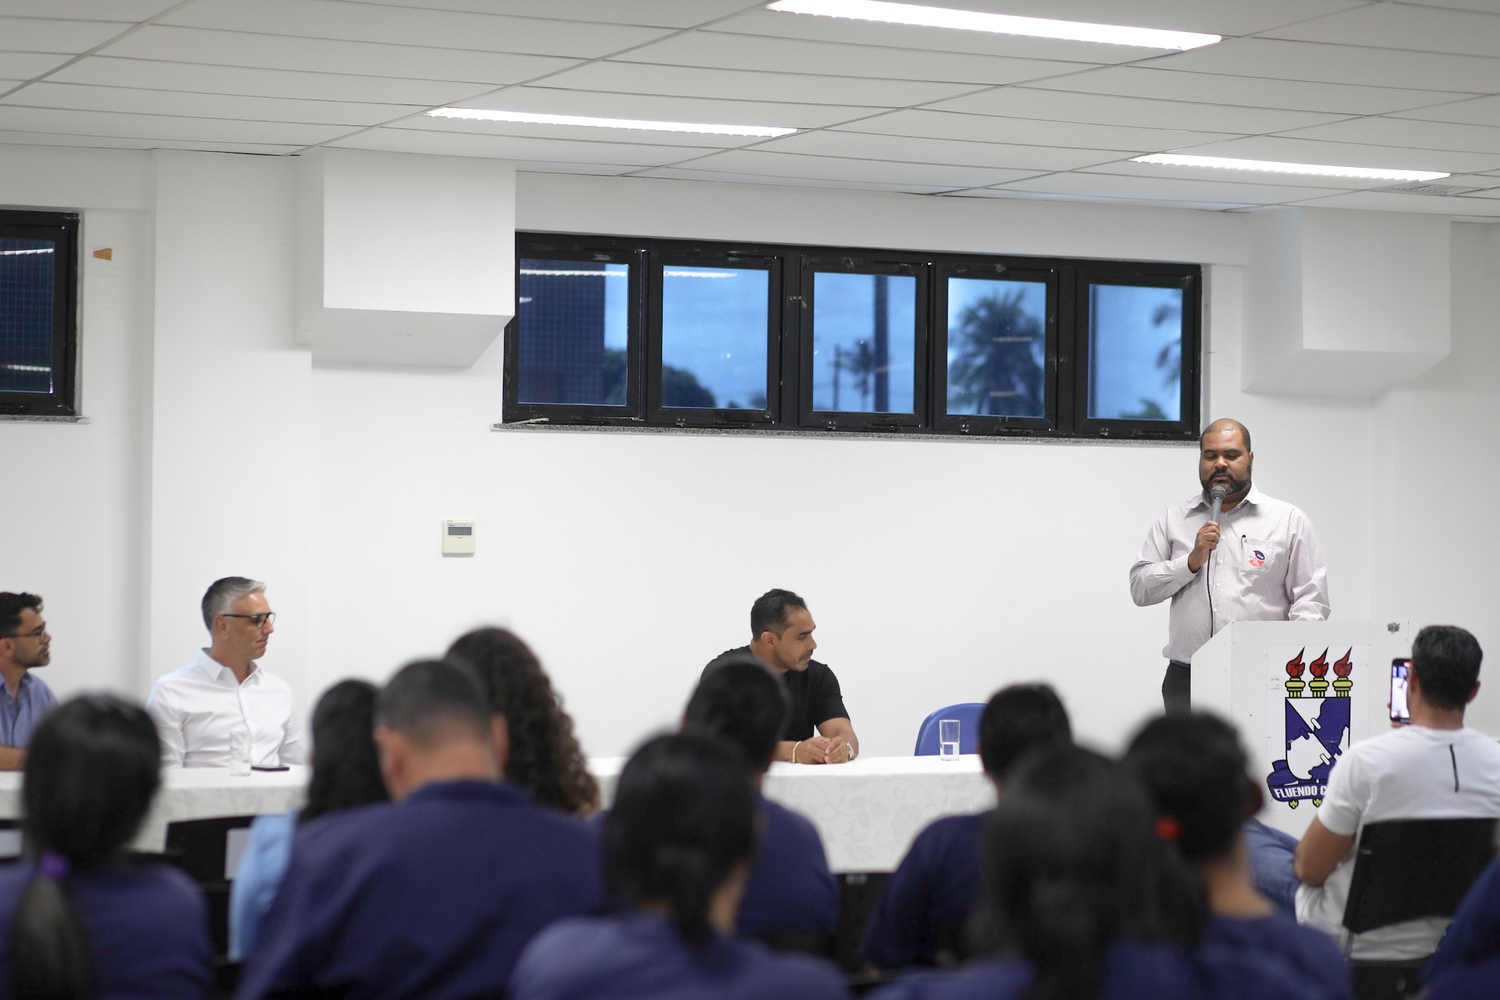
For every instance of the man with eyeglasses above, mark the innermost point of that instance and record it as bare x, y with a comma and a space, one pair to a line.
224, 705
24, 643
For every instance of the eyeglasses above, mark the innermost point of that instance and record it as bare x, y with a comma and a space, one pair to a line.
35, 633
257, 621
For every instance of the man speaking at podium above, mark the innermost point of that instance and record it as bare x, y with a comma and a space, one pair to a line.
1228, 554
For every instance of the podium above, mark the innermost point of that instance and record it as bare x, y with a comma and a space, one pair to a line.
1300, 694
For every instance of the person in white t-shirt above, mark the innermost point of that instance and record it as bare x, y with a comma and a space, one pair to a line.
1434, 768
224, 702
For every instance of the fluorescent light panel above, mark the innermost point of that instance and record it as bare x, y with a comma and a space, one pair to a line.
480, 114
1275, 167
1003, 24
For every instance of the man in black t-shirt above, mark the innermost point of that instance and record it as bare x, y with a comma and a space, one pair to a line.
781, 630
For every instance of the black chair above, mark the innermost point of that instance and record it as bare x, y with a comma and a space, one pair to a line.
199, 847
1408, 870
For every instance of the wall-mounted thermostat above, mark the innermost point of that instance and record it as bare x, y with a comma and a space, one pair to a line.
458, 538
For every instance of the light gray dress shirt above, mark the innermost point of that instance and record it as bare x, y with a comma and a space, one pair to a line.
1268, 567
198, 707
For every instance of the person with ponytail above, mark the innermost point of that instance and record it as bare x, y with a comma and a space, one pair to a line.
678, 847
78, 918
545, 759
1081, 898
1198, 778
345, 774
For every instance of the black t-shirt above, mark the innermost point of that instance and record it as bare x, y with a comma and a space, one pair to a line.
814, 695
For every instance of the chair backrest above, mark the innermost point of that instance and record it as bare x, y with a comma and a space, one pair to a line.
967, 715
1409, 869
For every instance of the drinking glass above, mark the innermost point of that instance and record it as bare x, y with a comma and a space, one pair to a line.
948, 739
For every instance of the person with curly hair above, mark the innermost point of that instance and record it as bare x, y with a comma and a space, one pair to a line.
545, 758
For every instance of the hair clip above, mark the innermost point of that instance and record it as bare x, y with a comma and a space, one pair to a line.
1168, 828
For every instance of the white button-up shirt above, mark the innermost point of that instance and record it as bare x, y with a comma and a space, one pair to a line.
1268, 567
199, 707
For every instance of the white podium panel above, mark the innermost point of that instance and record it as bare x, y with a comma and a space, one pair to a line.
1300, 693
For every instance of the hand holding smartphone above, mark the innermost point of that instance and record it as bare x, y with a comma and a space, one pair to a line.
1400, 671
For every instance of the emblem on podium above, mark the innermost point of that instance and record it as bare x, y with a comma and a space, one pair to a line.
1316, 714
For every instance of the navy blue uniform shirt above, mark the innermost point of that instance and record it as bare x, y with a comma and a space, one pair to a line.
790, 887
1474, 934
433, 897
928, 897
147, 928
641, 957
1305, 953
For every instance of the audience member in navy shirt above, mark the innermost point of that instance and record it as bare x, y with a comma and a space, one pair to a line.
790, 888
1467, 961
436, 894
1080, 899
76, 918
345, 774
922, 910
678, 846
24, 698
1196, 773
545, 759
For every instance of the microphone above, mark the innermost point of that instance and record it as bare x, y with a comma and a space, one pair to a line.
1216, 501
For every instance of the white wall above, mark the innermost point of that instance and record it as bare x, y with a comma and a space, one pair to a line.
937, 570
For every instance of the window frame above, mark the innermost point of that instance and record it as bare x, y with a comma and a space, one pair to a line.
1188, 279
61, 228
790, 335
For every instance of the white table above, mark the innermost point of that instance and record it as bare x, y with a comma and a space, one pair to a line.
195, 793
867, 811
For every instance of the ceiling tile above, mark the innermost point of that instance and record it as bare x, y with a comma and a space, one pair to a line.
1478, 111
1030, 131
27, 65
234, 48
1487, 6
163, 127
163, 102
1242, 91
832, 168
404, 26
1222, 17
1399, 26
717, 49
860, 146
542, 100
26, 34
1350, 154
580, 134
776, 24
1206, 206
1407, 132
683, 173
90, 10
1277, 60
508, 147
1105, 109
203, 78
33, 138
763, 85
1161, 189
652, 13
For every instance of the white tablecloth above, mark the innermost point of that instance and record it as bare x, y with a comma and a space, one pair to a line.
195, 793
867, 811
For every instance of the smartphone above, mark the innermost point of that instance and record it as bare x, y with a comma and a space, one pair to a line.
1400, 671
283, 767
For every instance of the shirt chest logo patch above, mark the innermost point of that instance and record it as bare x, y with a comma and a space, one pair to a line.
1257, 557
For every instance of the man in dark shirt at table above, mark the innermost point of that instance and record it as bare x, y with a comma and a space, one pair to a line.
436, 893
781, 637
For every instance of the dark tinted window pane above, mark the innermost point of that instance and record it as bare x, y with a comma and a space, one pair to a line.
1135, 353
573, 325
864, 342
997, 347
26, 287
714, 324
